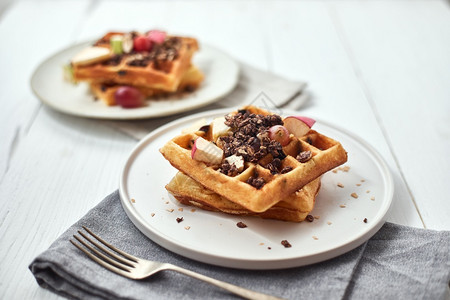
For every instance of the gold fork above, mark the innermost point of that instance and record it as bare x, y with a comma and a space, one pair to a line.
137, 268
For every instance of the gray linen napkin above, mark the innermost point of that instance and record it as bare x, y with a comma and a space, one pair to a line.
396, 263
254, 86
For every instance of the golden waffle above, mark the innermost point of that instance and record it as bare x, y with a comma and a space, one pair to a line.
294, 208
190, 81
161, 68
324, 155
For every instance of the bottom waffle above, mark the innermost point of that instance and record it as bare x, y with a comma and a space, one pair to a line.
189, 82
294, 208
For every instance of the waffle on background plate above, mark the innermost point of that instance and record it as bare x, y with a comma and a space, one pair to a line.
244, 170
163, 68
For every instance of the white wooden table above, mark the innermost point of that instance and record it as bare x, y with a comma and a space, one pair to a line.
380, 69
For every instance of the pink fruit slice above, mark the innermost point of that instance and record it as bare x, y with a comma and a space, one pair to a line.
298, 125
157, 36
206, 151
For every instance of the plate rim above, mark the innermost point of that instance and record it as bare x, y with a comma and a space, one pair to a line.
48, 59
256, 264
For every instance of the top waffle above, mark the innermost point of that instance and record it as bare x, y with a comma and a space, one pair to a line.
160, 68
270, 173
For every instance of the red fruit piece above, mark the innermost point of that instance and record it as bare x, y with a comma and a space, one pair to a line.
128, 97
142, 43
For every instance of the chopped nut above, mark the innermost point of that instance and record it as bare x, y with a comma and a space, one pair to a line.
342, 206
152, 214
367, 191
193, 210
354, 195
358, 184
345, 168
372, 198
317, 217
167, 202
329, 223
187, 227
340, 185
315, 237
180, 209
241, 225
170, 210
132, 200
362, 180
286, 244
261, 244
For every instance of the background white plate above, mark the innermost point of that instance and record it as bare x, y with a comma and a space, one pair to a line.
214, 237
221, 76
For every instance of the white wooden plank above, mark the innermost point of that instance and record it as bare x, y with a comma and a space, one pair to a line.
403, 54
305, 44
63, 167
23, 48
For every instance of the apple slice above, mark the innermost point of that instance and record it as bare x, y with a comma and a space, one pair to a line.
91, 55
298, 125
219, 128
206, 151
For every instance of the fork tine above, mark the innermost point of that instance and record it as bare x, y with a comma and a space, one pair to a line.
126, 267
101, 262
127, 255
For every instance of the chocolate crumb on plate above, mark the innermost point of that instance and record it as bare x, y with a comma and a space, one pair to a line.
286, 244
365, 220
241, 225
179, 220
309, 218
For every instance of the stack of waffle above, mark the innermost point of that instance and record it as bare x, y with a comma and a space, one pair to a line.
163, 69
255, 175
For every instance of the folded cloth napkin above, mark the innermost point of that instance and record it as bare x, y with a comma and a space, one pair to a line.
254, 86
396, 263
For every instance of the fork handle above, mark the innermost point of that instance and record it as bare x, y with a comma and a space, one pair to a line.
245, 293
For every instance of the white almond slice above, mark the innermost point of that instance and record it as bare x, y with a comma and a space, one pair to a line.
237, 161
91, 55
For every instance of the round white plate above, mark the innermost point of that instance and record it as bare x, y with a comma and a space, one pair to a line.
214, 238
221, 76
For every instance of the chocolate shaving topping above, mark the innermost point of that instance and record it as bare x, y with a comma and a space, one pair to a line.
205, 128
286, 170
257, 182
286, 244
228, 169
158, 55
304, 156
241, 225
